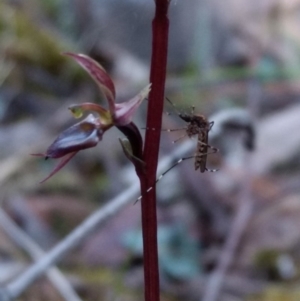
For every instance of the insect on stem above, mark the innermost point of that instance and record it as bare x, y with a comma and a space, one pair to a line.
197, 125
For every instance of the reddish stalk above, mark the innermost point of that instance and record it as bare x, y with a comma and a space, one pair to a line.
160, 30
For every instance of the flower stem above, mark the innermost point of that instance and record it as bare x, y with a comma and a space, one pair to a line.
160, 30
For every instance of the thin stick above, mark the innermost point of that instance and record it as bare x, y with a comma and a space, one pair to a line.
27, 244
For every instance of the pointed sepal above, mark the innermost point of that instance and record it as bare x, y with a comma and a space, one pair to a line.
60, 165
99, 75
125, 111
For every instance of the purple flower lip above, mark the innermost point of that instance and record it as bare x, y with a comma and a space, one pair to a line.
85, 134
75, 142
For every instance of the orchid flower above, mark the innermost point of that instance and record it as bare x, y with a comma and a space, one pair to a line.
88, 132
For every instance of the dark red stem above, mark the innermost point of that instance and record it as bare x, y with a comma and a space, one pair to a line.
160, 29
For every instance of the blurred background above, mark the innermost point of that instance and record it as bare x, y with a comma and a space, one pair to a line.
238, 63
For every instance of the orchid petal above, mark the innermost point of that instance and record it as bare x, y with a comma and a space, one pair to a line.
82, 135
125, 111
99, 75
104, 115
60, 165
